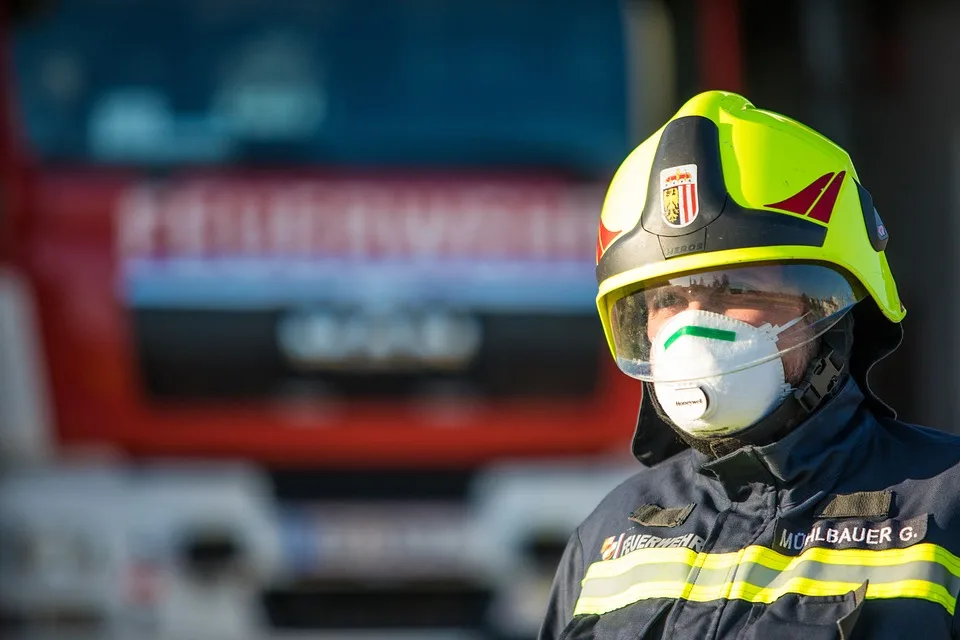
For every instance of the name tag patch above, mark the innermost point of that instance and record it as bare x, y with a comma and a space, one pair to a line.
792, 539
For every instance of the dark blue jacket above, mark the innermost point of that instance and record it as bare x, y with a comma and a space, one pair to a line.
848, 527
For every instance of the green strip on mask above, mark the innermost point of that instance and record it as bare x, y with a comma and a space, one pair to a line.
701, 332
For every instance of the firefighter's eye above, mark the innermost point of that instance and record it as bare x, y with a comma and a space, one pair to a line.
665, 299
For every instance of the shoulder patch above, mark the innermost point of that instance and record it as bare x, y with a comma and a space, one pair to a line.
618, 546
652, 515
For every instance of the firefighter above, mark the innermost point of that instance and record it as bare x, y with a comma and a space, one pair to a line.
742, 279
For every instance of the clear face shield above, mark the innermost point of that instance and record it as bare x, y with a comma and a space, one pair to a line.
747, 315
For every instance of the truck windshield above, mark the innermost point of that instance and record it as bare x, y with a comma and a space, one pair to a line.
472, 83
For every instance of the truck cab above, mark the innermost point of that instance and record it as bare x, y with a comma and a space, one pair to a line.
331, 263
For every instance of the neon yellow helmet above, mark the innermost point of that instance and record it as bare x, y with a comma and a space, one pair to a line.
724, 184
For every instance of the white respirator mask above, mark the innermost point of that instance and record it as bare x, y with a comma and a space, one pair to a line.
714, 390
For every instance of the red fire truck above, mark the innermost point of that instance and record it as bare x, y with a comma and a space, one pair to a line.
296, 308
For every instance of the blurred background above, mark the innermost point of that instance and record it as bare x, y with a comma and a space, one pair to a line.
297, 332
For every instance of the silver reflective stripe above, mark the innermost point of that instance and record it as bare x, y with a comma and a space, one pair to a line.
765, 577
758, 574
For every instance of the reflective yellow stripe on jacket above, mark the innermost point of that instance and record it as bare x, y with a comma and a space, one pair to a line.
758, 574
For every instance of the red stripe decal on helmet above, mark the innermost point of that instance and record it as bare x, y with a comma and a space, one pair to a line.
824, 207
801, 201
604, 238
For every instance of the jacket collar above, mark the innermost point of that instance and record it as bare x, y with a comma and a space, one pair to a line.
809, 459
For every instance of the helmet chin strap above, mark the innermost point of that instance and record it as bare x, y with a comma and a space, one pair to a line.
824, 377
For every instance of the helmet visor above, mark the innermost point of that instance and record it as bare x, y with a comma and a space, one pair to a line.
796, 303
